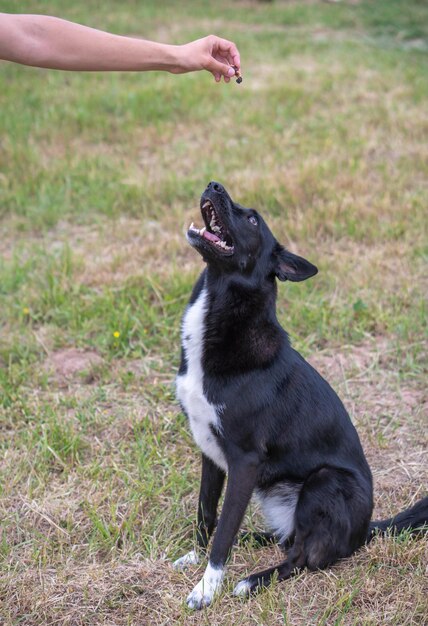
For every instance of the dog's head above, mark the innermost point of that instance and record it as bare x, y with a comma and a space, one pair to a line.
236, 239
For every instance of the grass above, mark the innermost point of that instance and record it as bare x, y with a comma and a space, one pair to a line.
99, 174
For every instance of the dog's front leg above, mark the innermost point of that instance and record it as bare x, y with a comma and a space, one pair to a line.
212, 481
240, 485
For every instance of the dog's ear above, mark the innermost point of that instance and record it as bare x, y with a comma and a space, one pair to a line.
289, 266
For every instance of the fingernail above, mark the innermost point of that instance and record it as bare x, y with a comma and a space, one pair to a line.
231, 71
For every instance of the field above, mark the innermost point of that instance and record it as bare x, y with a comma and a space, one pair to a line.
99, 176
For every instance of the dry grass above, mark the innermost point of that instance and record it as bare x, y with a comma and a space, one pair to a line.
127, 587
327, 136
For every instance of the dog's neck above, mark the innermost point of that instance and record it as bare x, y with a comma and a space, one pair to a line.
240, 296
241, 328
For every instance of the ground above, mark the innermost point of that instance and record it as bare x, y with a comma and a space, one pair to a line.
99, 176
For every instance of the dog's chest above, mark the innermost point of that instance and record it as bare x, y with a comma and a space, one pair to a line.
203, 416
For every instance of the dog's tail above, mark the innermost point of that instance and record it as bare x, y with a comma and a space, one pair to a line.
414, 519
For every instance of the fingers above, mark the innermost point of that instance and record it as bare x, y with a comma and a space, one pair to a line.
219, 67
228, 50
221, 70
218, 78
224, 53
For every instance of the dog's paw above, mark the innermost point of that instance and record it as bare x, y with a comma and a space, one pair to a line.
198, 600
250, 586
209, 585
191, 558
243, 589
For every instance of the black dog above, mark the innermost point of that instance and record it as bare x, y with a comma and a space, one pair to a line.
260, 413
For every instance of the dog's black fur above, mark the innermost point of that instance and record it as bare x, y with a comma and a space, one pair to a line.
281, 429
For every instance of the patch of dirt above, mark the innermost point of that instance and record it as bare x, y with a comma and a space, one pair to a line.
333, 365
73, 365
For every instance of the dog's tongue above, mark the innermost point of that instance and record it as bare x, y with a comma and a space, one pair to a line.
210, 236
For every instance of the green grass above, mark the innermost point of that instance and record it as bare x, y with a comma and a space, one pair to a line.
99, 175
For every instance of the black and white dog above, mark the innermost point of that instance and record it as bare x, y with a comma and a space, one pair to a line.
262, 415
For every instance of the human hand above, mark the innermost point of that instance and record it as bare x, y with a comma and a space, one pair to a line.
211, 53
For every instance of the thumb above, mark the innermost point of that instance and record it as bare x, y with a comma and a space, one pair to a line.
218, 68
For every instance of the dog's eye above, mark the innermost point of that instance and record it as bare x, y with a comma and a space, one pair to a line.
253, 220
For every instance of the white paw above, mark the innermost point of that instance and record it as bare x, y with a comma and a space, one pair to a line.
191, 558
242, 589
197, 600
209, 585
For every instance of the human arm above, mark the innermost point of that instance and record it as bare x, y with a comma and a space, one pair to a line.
54, 43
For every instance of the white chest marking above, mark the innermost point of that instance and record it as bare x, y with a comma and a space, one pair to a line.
202, 415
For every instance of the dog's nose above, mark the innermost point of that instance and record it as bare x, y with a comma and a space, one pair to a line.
216, 187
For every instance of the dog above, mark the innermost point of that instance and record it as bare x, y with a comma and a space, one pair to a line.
262, 415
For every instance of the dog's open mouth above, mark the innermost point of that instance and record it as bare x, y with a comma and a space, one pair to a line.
214, 232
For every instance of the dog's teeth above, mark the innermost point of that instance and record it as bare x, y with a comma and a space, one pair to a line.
193, 228
207, 203
201, 232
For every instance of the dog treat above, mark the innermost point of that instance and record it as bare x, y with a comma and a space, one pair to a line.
237, 74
